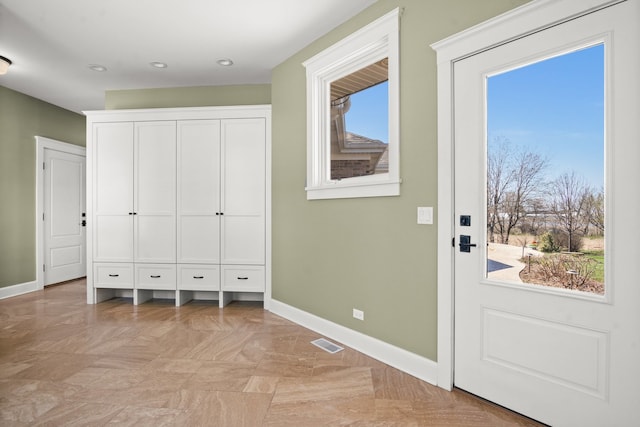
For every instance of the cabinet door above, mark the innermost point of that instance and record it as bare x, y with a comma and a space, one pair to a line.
199, 191
243, 191
155, 192
113, 192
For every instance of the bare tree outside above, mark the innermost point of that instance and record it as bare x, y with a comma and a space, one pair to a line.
595, 209
515, 177
569, 204
498, 179
536, 220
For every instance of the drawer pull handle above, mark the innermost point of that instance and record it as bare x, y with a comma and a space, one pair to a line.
114, 275
155, 277
198, 277
243, 278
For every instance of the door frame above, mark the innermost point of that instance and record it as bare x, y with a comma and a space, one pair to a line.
517, 23
42, 144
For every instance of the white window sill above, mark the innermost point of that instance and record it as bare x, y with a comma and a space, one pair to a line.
345, 190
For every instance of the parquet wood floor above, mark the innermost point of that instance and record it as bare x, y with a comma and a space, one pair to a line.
66, 363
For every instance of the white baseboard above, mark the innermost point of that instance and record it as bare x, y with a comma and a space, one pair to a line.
417, 366
22, 288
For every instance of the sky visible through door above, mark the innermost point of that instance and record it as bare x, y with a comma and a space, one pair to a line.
545, 172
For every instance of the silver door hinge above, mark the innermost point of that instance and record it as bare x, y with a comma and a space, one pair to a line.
44, 267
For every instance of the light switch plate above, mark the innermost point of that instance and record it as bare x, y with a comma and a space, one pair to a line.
425, 215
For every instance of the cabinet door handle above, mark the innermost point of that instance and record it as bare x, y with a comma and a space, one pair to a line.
114, 275
198, 277
155, 277
243, 278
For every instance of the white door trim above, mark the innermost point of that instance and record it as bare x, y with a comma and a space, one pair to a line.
517, 23
42, 144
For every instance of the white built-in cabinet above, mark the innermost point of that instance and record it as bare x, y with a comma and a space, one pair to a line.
179, 204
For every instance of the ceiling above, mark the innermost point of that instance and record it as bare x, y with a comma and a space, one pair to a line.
52, 43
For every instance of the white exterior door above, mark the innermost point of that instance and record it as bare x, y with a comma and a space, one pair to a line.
243, 191
155, 192
64, 209
563, 357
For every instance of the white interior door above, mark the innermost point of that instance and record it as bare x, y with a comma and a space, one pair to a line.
565, 357
64, 220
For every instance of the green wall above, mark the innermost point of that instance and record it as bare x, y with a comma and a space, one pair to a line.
330, 256
21, 119
197, 96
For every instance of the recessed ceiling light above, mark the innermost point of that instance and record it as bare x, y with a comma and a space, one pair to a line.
226, 62
4, 65
98, 68
158, 64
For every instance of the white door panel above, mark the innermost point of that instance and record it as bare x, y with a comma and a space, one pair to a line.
155, 160
155, 238
199, 239
113, 238
243, 191
243, 240
113, 190
64, 207
566, 358
113, 168
243, 166
199, 191
198, 166
155, 192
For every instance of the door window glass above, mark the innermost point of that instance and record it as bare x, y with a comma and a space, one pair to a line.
545, 172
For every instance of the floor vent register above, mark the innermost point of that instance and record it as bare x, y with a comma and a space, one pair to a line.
327, 346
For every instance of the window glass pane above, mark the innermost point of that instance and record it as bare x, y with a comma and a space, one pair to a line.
545, 172
360, 123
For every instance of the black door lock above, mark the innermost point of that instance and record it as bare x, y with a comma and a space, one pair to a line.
465, 243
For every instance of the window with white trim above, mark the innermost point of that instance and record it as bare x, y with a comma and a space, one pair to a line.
343, 161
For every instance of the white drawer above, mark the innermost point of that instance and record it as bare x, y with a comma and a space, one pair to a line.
156, 276
113, 275
198, 277
243, 278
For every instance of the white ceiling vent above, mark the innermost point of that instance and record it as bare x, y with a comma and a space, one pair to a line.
327, 345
